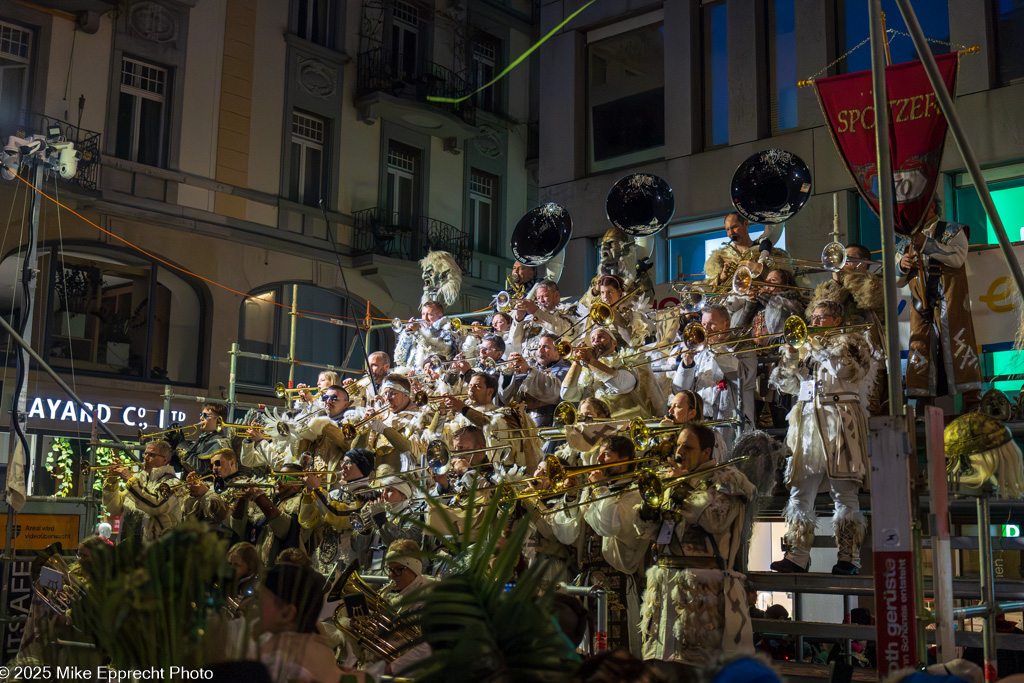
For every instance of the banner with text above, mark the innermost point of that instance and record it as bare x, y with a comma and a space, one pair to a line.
916, 134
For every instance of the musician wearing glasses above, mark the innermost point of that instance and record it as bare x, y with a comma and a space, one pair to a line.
828, 430
434, 335
271, 524
140, 499
401, 427
695, 606
724, 382
327, 515
543, 312
601, 526
205, 504
323, 437
211, 439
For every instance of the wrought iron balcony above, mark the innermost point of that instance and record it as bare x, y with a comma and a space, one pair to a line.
380, 70
402, 236
87, 143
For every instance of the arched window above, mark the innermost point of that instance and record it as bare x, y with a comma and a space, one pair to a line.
265, 327
101, 311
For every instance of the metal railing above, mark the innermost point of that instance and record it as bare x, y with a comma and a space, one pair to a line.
383, 70
397, 235
87, 142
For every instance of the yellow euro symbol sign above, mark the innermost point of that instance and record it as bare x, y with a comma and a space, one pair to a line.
997, 292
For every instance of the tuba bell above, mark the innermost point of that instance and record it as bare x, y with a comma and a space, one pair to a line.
770, 186
366, 617
52, 580
541, 234
640, 204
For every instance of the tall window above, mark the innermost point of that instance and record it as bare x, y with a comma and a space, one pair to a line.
782, 63
933, 15
265, 327
402, 183
485, 59
1009, 30
111, 314
307, 173
315, 21
626, 95
142, 113
716, 75
483, 211
15, 56
405, 21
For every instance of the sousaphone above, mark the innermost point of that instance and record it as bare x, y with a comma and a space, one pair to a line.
540, 238
640, 204
771, 186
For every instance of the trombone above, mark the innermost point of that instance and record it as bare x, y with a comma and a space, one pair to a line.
695, 336
743, 281
439, 456
185, 431
645, 434
281, 391
565, 414
794, 333
422, 398
652, 487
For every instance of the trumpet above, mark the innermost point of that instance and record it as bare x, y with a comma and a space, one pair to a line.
439, 455
86, 469
458, 325
167, 490
397, 325
281, 391
187, 430
221, 424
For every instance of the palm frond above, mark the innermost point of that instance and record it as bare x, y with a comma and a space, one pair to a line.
476, 628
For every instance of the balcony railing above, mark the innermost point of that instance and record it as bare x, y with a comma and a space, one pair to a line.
87, 142
391, 233
380, 70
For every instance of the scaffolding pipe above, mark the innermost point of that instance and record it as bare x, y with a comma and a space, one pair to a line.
231, 381
291, 339
945, 101
987, 574
278, 359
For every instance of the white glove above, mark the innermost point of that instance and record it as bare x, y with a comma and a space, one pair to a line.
316, 425
377, 426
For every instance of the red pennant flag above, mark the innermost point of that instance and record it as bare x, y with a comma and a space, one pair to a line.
916, 134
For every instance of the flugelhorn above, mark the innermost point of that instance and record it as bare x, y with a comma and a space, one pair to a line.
350, 431
566, 350
505, 302
281, 391
167, 490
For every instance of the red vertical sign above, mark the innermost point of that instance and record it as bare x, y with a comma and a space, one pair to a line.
895, 611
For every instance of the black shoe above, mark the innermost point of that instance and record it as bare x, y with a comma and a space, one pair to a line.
845, 568
787, 566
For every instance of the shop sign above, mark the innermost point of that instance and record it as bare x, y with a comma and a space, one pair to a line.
36, 532
66, 410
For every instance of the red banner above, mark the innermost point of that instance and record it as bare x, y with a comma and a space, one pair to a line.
917, 133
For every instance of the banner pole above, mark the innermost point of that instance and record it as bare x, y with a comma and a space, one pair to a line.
886, 206
956, 127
